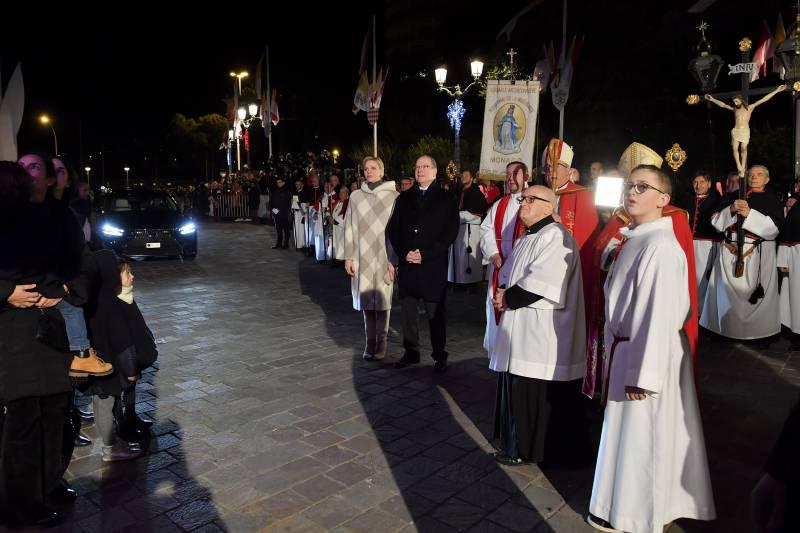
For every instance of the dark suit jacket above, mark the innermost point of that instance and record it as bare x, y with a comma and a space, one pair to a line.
430, 224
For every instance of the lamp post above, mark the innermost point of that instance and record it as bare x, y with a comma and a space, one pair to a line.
127, 182
455, 111
237, 90
44, 119
247, 116
88, 171
788, 52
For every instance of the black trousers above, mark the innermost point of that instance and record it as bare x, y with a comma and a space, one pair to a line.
537, 419
30, 454
283, 228
436, 321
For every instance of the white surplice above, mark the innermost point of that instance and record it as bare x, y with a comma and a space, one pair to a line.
789, 257
727, 310
318, 230
651, 466
546, 339
489, 247
338, 231
465, 252
298, 223
705, 254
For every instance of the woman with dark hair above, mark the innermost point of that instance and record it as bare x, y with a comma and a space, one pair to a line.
34, 383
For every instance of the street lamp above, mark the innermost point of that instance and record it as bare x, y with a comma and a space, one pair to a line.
455, 111
788, 52
246, 117
88, 170
239, 76
44, 119
335, 153
127, 183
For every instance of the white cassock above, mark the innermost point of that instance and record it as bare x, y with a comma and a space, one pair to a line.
789, 257
489, 247
547, 339
338, 231
318, 228
465, 253
705, 255
727, 310
298, 226
651, 465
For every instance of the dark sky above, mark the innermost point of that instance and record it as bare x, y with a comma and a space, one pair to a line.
120, 78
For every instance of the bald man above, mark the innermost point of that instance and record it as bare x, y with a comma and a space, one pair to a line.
540, 345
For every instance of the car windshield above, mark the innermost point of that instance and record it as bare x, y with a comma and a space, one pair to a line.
140, 201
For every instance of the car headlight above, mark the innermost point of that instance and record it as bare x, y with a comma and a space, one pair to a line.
186, 229
112, 231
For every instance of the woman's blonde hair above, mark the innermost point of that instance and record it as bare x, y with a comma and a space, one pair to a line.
377, 160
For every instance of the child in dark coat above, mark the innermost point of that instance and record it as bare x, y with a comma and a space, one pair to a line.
119, 330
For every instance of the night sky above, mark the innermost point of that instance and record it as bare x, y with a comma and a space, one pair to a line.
120, 81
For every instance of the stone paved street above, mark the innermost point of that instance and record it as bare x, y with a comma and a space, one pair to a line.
268, 418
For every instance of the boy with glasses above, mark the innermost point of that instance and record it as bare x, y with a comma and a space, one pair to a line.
651, 465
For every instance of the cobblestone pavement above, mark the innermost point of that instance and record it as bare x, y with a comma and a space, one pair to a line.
268, 418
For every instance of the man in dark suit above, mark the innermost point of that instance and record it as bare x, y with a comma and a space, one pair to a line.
423, 226
280, 203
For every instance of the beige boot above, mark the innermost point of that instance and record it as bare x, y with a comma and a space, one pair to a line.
87, 363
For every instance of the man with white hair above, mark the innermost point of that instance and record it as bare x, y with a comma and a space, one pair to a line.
744, 305
540, 344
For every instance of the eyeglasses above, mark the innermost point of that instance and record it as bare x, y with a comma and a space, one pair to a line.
530, 199
422, 167
639, 187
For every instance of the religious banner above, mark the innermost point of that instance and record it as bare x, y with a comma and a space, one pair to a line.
509, 126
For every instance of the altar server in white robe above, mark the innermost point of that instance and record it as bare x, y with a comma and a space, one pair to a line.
746, 307
499, 230
337, 218
298, 219
465, 253
540, 347
651, 465
789, 266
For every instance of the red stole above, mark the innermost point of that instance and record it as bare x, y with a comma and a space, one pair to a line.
519, 230
595, 305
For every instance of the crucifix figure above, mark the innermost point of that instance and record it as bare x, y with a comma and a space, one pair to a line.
740, 134
511, 53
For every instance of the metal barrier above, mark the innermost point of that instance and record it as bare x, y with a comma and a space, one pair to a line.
229, 205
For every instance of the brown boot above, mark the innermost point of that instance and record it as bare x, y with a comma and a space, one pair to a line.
87, 363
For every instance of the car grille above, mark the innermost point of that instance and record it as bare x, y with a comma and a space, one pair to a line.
151, 233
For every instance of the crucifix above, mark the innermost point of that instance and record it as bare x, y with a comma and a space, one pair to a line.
740, 134
511, 53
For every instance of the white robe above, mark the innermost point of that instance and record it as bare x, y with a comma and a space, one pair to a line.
651, 465
317, 217
338, 232
727, 310
705, 254
469, 237
298, 224
547, 339
488, 249
789, 257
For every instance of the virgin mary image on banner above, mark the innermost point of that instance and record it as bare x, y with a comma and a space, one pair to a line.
509, 129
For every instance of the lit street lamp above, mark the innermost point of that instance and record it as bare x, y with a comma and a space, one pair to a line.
247, 116
127, 183
455, 111
88, 171
44, 119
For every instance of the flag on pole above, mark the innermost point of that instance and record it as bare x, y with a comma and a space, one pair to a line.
258, 76
780, 36
376, 90
362, 98
274, 115
765, 50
